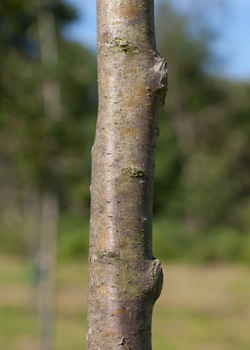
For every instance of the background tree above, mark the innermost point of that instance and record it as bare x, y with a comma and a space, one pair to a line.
31, 144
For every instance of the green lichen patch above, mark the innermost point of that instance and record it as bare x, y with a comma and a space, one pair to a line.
107, 255
132, 172
122, 45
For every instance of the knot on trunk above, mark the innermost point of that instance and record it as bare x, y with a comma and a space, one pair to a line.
153, 280
161, 72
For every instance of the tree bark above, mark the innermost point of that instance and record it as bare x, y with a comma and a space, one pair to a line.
124, 278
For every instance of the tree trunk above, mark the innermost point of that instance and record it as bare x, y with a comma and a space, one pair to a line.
124, 278
49, 200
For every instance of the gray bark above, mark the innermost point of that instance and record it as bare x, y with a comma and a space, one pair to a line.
124, 278
46, 258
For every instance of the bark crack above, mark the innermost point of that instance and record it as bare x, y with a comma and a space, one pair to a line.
124, 344
108, 254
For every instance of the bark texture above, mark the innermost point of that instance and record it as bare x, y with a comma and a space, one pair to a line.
124, 278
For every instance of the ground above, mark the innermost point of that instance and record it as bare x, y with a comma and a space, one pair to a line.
200, 308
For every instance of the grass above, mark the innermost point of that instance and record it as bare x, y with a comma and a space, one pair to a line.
200, 308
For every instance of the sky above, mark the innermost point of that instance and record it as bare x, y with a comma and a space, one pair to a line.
230, 20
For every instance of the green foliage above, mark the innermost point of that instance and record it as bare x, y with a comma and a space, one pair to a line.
11, 237
202, 183
73, 237
219, 244
37, 151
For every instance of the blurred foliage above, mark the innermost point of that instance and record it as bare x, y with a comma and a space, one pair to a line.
29, 142
202, 162
202, 182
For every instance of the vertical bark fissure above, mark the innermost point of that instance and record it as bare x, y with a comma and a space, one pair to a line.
124, 278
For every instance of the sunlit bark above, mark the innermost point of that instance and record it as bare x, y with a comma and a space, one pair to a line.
124, 278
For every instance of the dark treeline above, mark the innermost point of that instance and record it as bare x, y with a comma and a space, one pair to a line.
202, 181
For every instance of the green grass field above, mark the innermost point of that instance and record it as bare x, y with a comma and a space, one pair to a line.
200, 308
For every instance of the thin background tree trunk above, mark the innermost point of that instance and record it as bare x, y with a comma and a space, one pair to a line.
124, 278
49, 198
